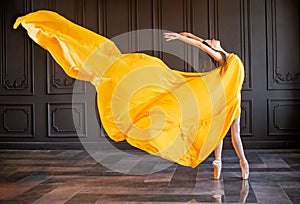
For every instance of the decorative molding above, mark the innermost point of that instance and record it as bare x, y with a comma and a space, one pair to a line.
7, 124
15, 85
246, 42
213, 19
280, 77
287, 77
59, 83
282, 117
208, 20
102, 21
23, 126
66, 120
57, 80
132, 25
186, 26
246, 118
102, 29
15, 79
157, 24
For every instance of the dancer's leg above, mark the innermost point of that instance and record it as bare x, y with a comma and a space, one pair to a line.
236, 139
238, 146
217, 163
218, 151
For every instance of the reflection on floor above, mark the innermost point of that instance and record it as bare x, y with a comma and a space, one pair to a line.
74, 176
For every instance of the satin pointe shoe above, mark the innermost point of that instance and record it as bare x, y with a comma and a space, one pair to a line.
245, 169
217, 164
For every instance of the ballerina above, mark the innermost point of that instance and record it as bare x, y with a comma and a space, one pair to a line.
179, 116
216, 52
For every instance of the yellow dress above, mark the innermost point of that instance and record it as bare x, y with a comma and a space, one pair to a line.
176, 115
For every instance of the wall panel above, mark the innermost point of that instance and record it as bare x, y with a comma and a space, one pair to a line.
263, 33
66, 120
283, 114
246, 118
16, 52
17, 120
283, 44
57, 80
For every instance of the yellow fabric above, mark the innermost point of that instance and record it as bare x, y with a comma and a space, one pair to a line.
176, 115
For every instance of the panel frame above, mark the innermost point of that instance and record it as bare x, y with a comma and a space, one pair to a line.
16, 87
57, 80
276, 79
53, 130
28, 109
246, 128
273, 128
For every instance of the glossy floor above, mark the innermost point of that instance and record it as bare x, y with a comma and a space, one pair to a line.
75, 176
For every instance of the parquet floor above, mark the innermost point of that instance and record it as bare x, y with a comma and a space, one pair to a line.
74, 176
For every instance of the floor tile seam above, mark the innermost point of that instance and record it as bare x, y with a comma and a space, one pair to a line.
287, 196
141, 191
79, 187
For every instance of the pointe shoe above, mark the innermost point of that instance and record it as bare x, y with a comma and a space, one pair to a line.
217, 164
245, 169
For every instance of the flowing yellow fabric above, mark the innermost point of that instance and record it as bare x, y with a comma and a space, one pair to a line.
176, 115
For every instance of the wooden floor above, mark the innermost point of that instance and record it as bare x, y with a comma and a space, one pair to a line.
74, 176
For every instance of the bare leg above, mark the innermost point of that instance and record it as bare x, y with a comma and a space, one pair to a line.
218, 151
236, 139
217, 163
238, 146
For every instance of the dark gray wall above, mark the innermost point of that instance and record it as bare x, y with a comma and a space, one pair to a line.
36, 96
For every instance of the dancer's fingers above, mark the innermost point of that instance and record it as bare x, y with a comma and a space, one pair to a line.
171, 36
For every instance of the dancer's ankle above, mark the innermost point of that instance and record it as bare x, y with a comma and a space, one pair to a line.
218, 159
244, 168
244, 162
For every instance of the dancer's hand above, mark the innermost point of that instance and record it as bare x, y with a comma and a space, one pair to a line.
171, 36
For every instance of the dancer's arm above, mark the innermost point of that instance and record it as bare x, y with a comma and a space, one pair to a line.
190, 35
197, 42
